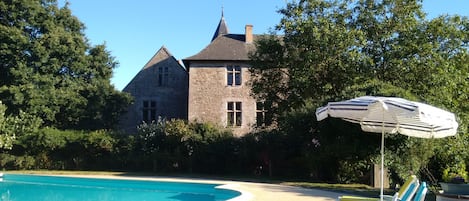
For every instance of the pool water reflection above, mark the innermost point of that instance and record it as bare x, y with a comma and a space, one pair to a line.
55, 188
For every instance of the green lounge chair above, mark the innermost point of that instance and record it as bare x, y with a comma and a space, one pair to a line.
405, 193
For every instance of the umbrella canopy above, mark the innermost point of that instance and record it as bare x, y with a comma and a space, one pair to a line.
392, 115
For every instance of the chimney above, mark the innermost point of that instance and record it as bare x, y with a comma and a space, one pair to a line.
249, 33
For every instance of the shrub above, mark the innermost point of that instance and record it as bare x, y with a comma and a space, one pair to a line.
176, 145
52, 148
14, 126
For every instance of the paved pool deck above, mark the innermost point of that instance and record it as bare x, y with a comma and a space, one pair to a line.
264, 192
251, 191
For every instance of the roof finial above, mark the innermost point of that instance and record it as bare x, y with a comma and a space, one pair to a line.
222, 29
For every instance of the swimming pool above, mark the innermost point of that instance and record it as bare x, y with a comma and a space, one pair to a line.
57, 188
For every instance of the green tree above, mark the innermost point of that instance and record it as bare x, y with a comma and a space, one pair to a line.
12, 127
335, 50
316, 56
48, 68
328, 46
7, 135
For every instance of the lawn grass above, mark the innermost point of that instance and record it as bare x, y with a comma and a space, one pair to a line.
357, 189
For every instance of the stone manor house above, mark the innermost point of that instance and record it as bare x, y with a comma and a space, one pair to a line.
210, 86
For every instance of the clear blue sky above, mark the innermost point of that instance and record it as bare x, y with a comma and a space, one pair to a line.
134, 30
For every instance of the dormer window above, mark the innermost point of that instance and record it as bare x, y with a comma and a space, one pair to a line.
233, 75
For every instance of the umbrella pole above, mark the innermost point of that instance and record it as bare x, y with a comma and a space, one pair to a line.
381, 193
382, 167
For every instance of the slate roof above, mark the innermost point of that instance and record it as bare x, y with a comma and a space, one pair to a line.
162, 54
229, 47
222, 28
161, 57
223, 47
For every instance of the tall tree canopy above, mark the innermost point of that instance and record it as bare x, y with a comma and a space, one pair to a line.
48, 68
331, 50
339, 49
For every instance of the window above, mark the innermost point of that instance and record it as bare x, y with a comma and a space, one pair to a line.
234, 114
149, 111
233, 75
263, 116
163, 74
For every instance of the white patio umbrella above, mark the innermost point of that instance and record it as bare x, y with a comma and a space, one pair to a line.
392, 115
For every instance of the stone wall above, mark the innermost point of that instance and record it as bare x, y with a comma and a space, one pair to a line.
209, 95
171, 99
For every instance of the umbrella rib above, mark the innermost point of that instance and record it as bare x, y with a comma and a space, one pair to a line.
415, 127
422, 127
405, 106
344, 108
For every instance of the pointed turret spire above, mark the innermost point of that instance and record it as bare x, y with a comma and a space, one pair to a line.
222, 29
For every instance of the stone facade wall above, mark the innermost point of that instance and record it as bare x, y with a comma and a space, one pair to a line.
171, 99
209, 95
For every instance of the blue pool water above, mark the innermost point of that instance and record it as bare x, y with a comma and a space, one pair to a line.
52, 188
